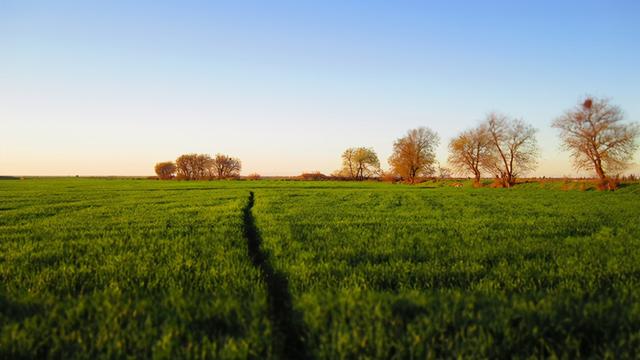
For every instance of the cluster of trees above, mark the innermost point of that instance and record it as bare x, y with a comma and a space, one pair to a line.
506, 148
199, 166
501, 147
592, 132
413, 157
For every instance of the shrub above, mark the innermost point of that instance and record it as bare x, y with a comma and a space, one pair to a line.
389, 177
313, 176
497, 183
609, 184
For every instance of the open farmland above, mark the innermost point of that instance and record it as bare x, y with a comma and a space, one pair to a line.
403, 272
115, 268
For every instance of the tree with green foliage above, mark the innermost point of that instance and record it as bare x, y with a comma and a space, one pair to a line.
359, 163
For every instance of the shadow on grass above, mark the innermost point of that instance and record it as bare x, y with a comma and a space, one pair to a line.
17, 311
289, 334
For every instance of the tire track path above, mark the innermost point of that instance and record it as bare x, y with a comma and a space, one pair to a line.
289, 333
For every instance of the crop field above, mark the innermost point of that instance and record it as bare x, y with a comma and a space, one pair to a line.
119, 269
280, 269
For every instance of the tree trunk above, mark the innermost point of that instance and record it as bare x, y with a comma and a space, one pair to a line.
476, 180
599, 170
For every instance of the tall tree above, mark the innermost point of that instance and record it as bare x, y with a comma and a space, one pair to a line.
414, 154
360, 163
596, 137
165, 170
470, 151
514, 145
224, 166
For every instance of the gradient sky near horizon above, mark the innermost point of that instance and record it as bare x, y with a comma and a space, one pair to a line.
112, 87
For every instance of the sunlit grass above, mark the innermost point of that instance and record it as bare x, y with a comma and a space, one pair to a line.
136, 268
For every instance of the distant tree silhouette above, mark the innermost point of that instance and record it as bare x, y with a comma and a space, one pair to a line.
414, 154
514, 145
165, 170
359, 163
224, 167
596, 137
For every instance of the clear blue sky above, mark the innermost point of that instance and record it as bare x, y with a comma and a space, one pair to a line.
111, 87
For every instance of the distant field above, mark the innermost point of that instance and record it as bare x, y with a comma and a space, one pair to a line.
113, 268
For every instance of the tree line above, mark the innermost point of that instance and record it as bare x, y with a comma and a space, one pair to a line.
199, 167
502, 147
506, 148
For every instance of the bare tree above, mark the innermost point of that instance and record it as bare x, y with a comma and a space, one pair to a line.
596, 138
469, 151
203, 166
224, 166
444, 172
359, 163
186, 166
414, 154
515, 146
193, 166
165, 170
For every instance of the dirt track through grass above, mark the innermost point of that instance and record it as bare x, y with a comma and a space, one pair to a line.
289, 333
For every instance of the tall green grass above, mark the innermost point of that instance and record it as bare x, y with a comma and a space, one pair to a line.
150, 269
135, 269
414, 272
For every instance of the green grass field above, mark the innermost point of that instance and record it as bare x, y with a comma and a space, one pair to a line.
279, 269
